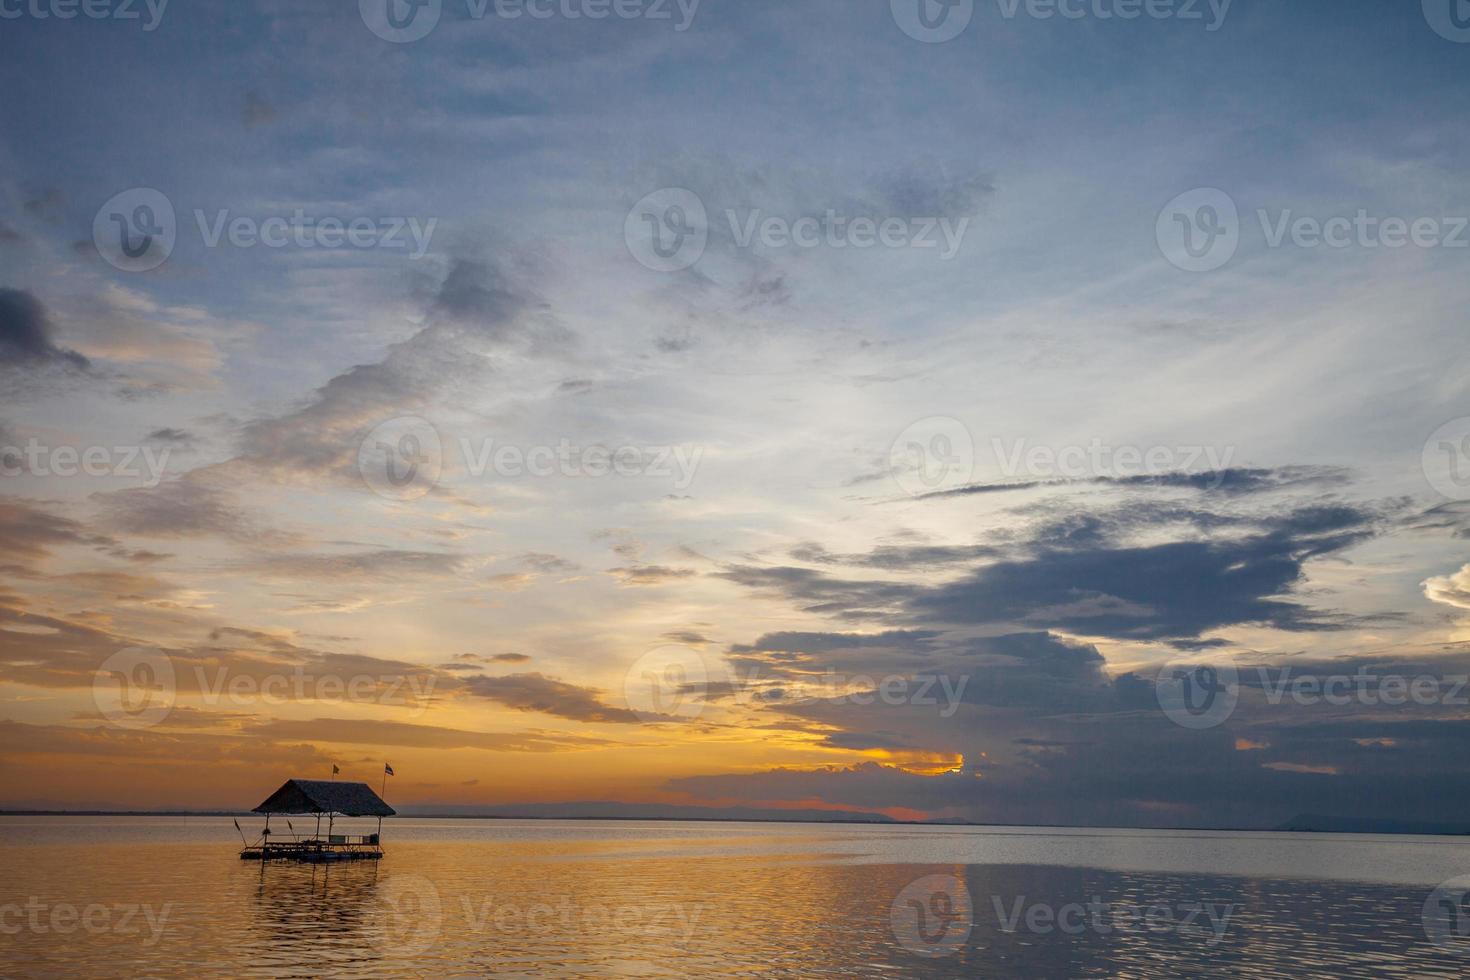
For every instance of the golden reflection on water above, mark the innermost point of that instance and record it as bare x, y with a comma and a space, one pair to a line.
666, 904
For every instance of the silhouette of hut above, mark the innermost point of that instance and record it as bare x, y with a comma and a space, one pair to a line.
320, 797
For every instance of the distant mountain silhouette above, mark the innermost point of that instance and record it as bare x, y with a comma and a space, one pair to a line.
1313, 822
600, 810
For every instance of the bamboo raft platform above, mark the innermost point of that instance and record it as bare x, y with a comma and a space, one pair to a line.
319, 798
335, 847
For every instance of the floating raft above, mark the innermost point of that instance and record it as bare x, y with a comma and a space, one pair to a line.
320, 798
338, 847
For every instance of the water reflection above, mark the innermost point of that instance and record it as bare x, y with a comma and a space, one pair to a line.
707, 901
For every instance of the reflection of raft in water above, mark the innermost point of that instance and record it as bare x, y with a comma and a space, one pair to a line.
320, 797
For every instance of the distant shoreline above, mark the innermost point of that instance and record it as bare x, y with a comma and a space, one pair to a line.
1291, 827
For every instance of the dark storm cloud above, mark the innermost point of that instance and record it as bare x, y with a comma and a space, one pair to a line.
25, 334
1177, 589
547, 695
1075, 572
1235, 481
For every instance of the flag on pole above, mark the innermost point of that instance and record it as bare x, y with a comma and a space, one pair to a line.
387, 769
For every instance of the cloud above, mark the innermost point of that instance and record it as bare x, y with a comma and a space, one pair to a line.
406, 735
1451, 590
381, 563
537, 692
1234, 481
1079, 572
28, 532
197, 503
25, 334
691, 637
649, 575
258, 112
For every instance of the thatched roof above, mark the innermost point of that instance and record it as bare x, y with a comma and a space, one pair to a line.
324, 796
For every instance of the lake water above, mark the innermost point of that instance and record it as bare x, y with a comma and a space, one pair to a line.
168, 897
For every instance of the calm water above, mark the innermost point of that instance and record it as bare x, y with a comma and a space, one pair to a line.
167, 897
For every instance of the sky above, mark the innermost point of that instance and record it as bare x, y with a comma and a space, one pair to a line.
1019, 412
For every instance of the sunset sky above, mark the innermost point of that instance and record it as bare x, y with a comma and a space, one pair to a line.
906, 523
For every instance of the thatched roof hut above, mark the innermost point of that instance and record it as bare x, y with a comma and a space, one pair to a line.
326, 796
